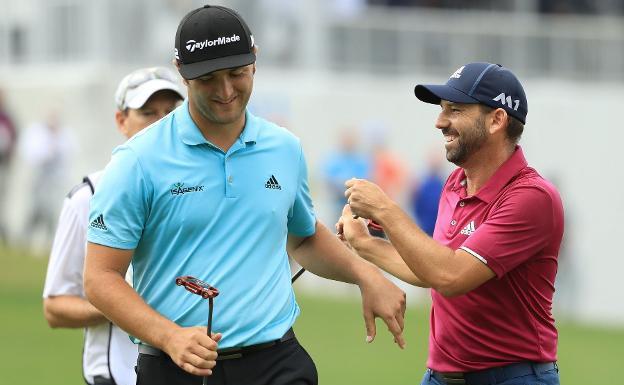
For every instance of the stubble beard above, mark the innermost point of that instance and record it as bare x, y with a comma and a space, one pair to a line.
468, 142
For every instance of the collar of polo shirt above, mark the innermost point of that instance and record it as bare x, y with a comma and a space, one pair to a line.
190, 134
500, 179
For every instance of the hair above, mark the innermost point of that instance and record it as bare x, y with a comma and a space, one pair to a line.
514, 127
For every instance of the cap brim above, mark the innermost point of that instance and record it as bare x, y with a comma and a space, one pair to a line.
140, 95
194, 70
434, 93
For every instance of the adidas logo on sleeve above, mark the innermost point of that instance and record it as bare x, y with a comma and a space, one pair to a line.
272, 183
98, 223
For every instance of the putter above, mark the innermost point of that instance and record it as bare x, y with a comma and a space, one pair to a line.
297, 275
201, 288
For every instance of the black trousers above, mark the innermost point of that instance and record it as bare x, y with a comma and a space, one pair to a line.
286, 363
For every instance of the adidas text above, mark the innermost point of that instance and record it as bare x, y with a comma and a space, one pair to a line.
272, 183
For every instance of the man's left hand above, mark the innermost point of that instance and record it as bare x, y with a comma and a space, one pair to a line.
381, 298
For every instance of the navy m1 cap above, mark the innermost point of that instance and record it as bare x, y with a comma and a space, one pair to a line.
212, 38
483, 83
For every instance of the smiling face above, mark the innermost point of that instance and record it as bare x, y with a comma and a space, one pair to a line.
219, 99
464, 130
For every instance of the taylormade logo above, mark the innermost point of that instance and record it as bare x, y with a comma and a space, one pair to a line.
192, 45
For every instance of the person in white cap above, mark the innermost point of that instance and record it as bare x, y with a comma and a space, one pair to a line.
109, 356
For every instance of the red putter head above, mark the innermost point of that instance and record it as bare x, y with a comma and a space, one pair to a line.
197, 286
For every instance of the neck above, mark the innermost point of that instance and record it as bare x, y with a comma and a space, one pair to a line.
483, 164
222, 135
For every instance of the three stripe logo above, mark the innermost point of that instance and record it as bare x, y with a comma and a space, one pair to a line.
469, 229
272, 183
98, 223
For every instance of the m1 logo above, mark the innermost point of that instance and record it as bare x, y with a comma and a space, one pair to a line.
507, 100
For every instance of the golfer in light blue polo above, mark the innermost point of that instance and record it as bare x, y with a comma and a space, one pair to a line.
217, 193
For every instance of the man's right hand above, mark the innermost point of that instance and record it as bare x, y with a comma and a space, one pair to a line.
192, 350
350, 229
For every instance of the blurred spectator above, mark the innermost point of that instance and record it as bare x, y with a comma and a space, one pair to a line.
8, 137
46, 147
388, 171
426, 193
346, 163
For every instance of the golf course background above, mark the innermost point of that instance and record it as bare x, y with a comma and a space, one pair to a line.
331, 329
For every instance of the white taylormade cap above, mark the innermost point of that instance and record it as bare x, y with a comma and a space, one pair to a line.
134, 89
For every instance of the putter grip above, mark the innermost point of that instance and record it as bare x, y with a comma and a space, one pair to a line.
208, 331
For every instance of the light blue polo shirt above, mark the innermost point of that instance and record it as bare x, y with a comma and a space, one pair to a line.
188, 208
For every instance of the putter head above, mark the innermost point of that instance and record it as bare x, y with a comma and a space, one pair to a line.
197, 286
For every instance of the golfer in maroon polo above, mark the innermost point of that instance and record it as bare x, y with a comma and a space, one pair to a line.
492, 261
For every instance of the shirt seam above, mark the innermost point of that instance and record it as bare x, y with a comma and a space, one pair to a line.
148, 191
94, 238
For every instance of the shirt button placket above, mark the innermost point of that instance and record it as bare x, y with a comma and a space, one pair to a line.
228, 178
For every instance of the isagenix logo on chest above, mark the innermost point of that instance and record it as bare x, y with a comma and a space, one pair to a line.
179, 189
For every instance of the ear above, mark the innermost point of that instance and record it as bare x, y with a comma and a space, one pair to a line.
498, 119
120, 120
176, 63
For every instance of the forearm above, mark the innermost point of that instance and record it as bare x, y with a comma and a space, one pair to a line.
381, 253
108, 291
430, 261
112, 295
324, 255
69, 311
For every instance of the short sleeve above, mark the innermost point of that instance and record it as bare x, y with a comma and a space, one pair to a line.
120, 206
519, 226
301, 217
64, 275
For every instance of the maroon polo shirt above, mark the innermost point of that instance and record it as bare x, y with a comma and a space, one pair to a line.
513, 224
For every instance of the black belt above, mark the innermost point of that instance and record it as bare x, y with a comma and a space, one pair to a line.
101, 380
500, 374
229, 353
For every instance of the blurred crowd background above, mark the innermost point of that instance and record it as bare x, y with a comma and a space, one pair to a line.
339, 74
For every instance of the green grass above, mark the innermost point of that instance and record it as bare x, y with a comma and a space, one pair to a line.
332, 331
31, 352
